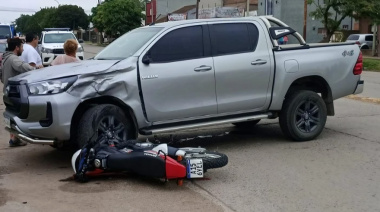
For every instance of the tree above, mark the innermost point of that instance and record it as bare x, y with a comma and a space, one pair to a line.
35, 23
71, 16
98, 23
21, 22
116, 17
333, 12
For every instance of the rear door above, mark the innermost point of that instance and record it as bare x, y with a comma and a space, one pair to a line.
242, 66
369, 40
179, 82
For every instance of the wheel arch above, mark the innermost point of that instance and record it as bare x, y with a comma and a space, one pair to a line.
364, 46
317, 84
85, 105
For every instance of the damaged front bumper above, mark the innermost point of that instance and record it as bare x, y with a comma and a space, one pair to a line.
42, 119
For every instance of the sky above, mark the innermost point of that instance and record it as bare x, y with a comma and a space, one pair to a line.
10, 10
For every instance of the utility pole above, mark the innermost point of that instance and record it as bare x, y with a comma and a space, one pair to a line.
374, 43
247, 8
197, 8
304, 19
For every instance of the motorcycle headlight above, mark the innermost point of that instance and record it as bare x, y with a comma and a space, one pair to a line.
46, 50
51, 86
80, 49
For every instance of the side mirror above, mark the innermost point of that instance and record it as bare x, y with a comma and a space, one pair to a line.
80, 41
146, 59
39, 42
278, 32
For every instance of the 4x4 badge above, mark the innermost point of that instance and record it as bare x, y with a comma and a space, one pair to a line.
348, 53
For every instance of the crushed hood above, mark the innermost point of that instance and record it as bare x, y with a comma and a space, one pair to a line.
65, 70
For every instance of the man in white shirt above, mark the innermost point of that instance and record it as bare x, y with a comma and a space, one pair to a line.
30, 54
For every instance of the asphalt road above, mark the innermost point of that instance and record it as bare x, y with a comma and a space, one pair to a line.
339, 171
90, 50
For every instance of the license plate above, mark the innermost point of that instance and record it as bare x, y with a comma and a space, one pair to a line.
7, 122
194, 168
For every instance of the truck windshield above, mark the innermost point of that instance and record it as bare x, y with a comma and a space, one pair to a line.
5, 32
58, 37
128, 44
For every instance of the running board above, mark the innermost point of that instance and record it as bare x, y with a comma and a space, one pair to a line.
151, 131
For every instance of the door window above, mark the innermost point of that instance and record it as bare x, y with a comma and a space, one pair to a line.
234, 38
180, 44
369, 38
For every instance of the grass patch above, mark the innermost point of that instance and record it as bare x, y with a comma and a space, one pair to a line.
371, 64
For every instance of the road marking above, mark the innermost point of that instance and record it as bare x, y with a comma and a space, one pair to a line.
364, 99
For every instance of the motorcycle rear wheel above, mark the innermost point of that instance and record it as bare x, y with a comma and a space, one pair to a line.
211, 160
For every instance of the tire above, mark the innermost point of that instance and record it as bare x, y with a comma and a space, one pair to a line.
365, 47
107, 120
307, 109
247, 124
211, 160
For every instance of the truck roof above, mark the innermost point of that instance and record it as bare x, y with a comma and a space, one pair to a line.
52, 32
177, 23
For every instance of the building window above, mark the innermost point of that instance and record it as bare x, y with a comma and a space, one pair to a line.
269, 7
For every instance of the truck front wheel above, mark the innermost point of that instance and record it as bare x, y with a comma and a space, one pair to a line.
107, 120
303, 116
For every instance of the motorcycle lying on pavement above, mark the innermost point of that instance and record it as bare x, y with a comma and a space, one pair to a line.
108, 155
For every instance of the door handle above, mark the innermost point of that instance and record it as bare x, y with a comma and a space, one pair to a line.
258, 62
202, 68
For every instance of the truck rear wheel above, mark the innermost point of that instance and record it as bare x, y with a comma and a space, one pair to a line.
303, 116
108, 120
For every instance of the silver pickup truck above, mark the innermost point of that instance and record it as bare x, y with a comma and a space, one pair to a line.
186, 74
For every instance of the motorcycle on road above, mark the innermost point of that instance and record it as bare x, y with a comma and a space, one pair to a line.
108, 155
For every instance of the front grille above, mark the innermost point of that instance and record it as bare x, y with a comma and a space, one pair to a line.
16, 100
14, 91
58, 51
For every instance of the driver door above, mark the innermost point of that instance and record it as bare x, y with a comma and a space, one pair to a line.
177, 75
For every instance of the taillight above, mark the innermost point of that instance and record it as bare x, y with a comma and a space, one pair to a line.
359, 65
357, 42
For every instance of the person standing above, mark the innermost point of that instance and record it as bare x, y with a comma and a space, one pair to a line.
12, 66
286, 39
70, 47
30, 54
281, 40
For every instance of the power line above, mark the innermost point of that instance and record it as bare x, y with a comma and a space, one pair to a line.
9, 9
12, 9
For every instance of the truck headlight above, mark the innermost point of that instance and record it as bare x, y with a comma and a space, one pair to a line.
46, 50
53, 86
80, 49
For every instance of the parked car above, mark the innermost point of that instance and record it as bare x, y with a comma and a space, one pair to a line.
365, 41
51, 43
186, 74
